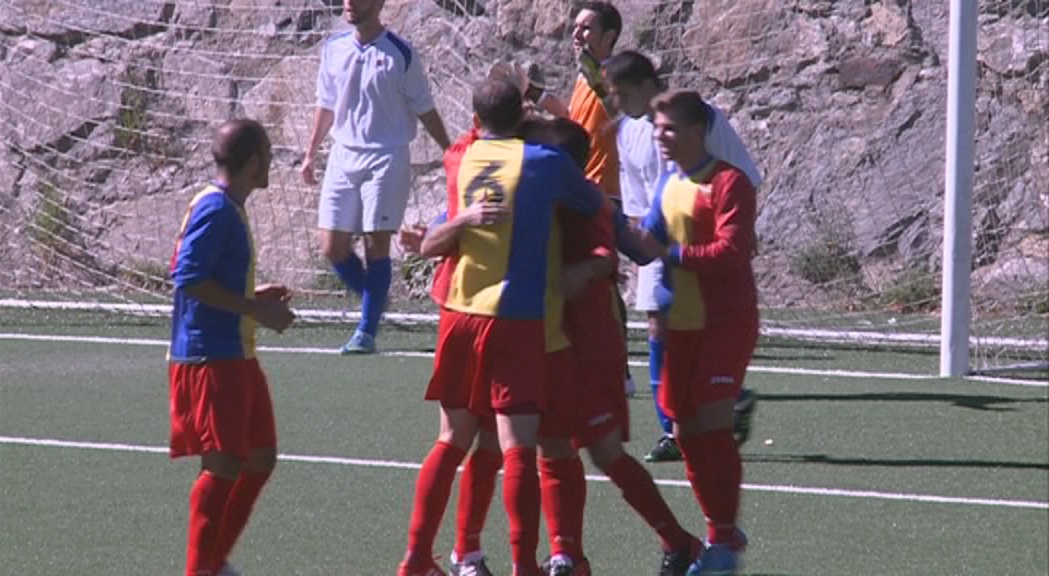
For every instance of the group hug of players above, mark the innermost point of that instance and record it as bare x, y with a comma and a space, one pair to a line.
531, 355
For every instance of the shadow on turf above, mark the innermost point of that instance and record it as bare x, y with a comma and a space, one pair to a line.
895, 463
988, 403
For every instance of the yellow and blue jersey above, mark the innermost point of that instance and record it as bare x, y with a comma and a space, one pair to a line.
215, 243
706, 218
512, 269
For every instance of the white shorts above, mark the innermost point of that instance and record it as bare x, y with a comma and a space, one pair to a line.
648, 277
364, 190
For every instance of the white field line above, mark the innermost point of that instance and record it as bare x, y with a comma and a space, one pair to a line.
408, 354
363, 462
869, 337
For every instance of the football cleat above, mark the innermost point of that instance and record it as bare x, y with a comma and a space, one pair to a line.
745, 405
358, 344
666, 450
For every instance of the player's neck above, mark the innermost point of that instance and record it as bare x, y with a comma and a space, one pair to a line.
368, 31
235, 189
697, 166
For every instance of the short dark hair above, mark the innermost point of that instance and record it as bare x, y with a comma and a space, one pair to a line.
572, 138
630, 67
607, 15
498, 106
534, 129
685, 106
236, 141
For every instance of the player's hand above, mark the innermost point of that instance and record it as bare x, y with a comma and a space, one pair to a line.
309, 173
411, 239
273, 314
574, 280
273, 292
483, 214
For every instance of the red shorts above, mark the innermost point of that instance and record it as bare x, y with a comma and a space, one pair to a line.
705, 366
560, 418
601, 361
488, 364
221, 406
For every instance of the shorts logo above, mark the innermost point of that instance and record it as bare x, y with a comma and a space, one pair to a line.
717, 380
599, 419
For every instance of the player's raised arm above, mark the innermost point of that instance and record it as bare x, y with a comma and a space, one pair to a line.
442, 239
638, 245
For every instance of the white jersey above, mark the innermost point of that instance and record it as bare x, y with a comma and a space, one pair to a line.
377, 90
640, 165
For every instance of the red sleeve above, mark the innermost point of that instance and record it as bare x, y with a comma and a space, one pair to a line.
453, 158
735, 207
601, 235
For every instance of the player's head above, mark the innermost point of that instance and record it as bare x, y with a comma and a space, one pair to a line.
362, 11
242, 153
597, 26
498, 106
572, 138
632, 80
681, 121
534, 129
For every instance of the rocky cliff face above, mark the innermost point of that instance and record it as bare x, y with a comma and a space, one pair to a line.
108, 108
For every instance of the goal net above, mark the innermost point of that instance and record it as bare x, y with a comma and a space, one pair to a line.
107, 108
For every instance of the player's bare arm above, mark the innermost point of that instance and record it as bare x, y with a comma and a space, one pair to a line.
435, 128
322, 122
442, 239
273, 314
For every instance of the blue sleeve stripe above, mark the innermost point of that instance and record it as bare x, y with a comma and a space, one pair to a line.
402, 47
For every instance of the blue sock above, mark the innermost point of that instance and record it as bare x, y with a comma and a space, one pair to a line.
376, 289
351, 272
655, 370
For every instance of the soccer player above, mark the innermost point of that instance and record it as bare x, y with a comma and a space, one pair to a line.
593, 409
219, 400
371, 92
633, 83
703, 215
599, 421
491, 349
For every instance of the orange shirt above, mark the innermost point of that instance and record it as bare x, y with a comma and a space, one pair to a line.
586, 109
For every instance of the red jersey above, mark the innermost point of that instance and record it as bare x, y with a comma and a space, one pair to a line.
707, 219
453, 158
592, 318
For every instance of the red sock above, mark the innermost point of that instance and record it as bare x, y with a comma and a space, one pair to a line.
207, 500
241, 500
476, 488
640, 491
716, 473
563, 483
521, 498
432, 490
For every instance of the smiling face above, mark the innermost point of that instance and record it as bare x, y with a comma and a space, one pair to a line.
588, 33
678, 141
